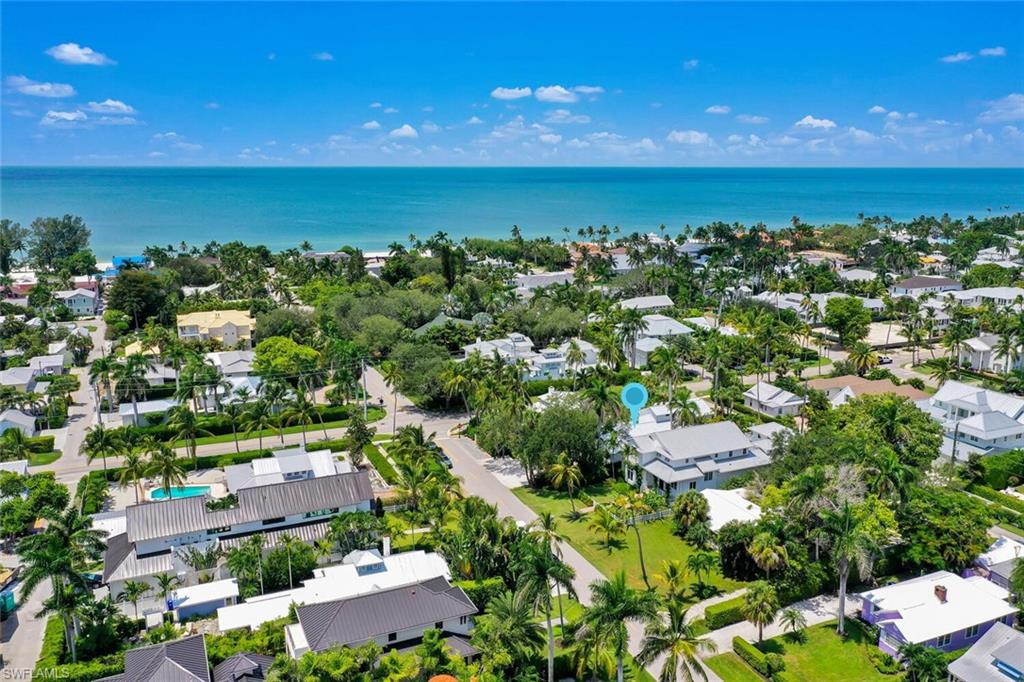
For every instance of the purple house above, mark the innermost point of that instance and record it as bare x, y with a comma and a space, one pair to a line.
939, 610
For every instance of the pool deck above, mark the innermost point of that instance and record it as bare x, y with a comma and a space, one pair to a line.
125, 497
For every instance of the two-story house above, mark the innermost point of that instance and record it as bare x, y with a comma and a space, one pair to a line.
230, 327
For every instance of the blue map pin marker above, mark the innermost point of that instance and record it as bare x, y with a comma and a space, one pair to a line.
634, 396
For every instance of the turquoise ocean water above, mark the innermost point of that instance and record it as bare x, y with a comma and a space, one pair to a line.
128, 208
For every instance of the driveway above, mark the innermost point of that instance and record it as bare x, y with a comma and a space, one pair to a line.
816, 610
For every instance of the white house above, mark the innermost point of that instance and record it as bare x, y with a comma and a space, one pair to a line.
148, 411
729, 505
982, 355
291, 464
998, 561
83, 302
16, 419
61, 348
646, 303
857, 275
976, 419
693, 457
526, 285
771, 400
924, 284
658, 328
233, 363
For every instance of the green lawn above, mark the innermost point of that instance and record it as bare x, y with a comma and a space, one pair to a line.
375, 413
732, 668
38, 459
659, 542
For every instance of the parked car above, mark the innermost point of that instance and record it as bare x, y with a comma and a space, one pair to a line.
885, 360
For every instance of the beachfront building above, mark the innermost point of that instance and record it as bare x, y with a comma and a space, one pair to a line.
982, 354
291, 464
359, 572
997, 656
230, 327
183, 660
646, 303
975, 419
159, 534
394, 618
841, 390
919, 285
81, 302
998, 561
940, 610
675, 460
773, 401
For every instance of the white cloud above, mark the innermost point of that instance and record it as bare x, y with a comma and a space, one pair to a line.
733, 139
751, 118
156, 155
565, 116
1009, 108
376, 105
511, 93
474, 121
589, 89
577, 143
323, 56
170, 135
691, 137
391, 110
894, 116
73, 53
978, 135
645, 144
691, 64
718, 109
62, 119
428, 109
212, 105
117, 121
997, 51
1014, 133
187, 146
550, 138
404, 132
811, 122
371, 125
27, 86
877, 109
110, 106
430, 127
555, 93
859, 136
957, 57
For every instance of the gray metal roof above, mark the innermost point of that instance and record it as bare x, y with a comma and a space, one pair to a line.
359, 619
1002, 643
243, 667
189, 514
702, 440
183, 660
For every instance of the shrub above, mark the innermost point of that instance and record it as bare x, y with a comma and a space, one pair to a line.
997, 497
92, 492
40, 444
87, 671
751, 654
481, 591
724, 613
52, 652
884, 663
775, 663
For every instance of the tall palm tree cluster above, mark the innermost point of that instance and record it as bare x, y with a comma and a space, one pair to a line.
141, 457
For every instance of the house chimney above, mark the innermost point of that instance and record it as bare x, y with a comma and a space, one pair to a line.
386, 545
940, 593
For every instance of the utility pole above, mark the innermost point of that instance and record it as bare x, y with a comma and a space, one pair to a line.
366, 395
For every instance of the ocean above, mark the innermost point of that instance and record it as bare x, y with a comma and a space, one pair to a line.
129, 208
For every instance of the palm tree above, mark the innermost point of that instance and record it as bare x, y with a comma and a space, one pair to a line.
130, 375
457, 381
634, 504
259, 418
537, 569
851, 543
392, 375
133, 592
508, 626
701, 564
677, 641
100, 442
165, 465
793, 620
233, 411
66, 602
603, 521
615, 603
685, 409
300, 411
574, 359
566, 473
185, 424
863, 357
942, 370
673, 575
768, 553
668, 366
101, 371
289, 543
632, 325
760, 605
165, 584
545, 527
133, 470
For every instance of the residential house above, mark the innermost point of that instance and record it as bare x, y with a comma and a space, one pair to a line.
588, 350
997, 656
47, 365
136, 348
81, 302
291, 464
549, 363
709, 324
232, 363
61, 348
939, 610
243, 667
693, 457
659, 328
998, 561
982, 354
160, 534
840, 390
526, 285
211, 289
145, 412
646, 303
857, 275
19, 378
230, 327
360, 572
771, 400
725, 506
203, 598
16, 419
393, 618
976, 420
810, 308
183, 660
924, 284
441, 320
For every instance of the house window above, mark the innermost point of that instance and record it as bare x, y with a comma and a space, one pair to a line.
271, 522
693, 485
218, 531
971, 632
320, 512
463, 620
708, 475
439, 625
392, 636
943, 641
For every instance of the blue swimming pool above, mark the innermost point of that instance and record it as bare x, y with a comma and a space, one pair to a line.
176, 493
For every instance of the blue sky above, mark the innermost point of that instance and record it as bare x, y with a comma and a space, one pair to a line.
876, 84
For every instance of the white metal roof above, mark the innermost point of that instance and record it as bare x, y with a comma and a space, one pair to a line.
204, 593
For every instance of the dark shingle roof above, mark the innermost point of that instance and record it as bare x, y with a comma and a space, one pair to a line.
183, 660
189, 514
118, 549
358, 619
922, 281
243, 667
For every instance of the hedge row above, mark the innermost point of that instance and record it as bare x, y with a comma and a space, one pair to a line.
995, 496
724, 613
40, 444
768, 665
53, 644
380, 463
219, 425
49, 666
481, 591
